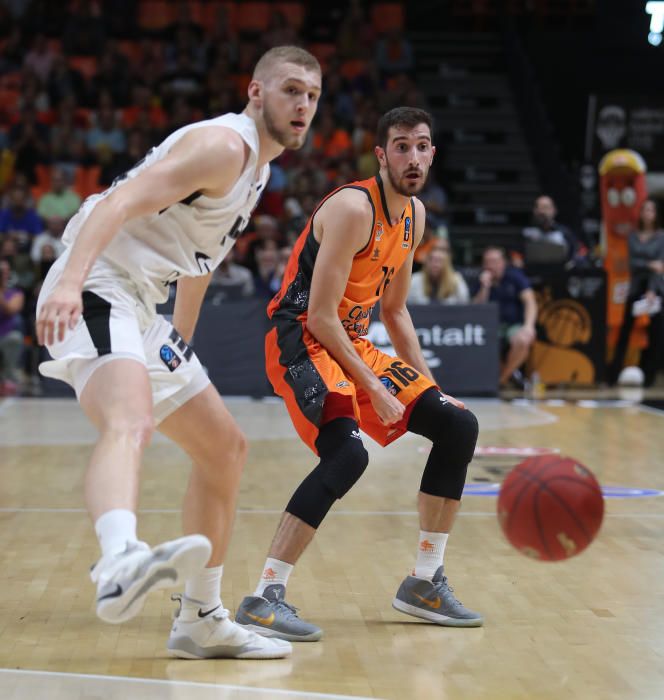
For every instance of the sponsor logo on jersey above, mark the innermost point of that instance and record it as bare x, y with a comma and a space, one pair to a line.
406, 233
341, 385
357, 321
169, 357
356, 434
375, 254
379, 230
389, 385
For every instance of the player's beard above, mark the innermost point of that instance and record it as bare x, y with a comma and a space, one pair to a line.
282, 136
402, 185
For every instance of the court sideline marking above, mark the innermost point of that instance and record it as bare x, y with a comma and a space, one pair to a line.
187, 684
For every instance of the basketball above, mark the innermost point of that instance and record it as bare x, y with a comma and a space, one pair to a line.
550, 507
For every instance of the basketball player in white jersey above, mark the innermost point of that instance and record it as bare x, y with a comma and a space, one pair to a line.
174, 216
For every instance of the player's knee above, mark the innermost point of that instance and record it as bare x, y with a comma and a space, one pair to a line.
135, 429
466, 427
341, 470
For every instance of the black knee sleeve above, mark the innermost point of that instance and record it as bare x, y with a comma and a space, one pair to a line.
453, 432
343, 460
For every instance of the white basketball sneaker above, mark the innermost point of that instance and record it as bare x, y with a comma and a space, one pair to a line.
123, 580
211, 634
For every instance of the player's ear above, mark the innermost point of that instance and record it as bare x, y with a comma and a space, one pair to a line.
255, 92
380, 154
433, 153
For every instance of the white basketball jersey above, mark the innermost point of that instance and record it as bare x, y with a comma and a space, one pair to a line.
187, 239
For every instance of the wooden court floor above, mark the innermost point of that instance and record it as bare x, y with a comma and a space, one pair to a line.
591, 627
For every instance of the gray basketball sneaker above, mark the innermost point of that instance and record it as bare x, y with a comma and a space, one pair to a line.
124, 579
434, 601
271, 616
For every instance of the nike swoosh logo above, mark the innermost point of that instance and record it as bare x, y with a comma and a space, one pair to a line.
209, 612
267, 621
435, 604
113, 594
169, 573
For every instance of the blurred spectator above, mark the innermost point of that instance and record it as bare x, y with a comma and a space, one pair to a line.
11, 336
646, 263
13, 51
183, 79
23, 271
143, 102
338, 97
67, 139
435, 200
50, 238
232, 278
113, 76
120, 163
106, 138
279, 32
267, 279
33, 93
84, 33
60, 201
546, 230
394, 54
29, 141
517, 309
438, 282
64, 81
330, 141
19, 221
266, 229
40, 58
355, 36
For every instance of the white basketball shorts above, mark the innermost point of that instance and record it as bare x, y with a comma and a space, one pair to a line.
115, 324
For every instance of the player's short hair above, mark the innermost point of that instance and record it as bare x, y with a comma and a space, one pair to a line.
285, 54
409, 117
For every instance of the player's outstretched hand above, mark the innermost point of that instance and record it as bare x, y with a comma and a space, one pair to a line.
60, 311
387, 407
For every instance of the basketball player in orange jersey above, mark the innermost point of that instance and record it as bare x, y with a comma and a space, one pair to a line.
174, 216
357, 249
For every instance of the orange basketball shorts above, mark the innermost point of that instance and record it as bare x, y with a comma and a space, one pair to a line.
306, 376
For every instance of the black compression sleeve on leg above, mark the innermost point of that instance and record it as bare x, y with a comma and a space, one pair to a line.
343, 460
453, 432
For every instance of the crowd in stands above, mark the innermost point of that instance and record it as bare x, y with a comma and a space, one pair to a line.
88, 86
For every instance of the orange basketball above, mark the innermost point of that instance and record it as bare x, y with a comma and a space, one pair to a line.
550, 507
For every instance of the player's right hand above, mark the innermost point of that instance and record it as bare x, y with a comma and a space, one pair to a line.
389, 409
60, 311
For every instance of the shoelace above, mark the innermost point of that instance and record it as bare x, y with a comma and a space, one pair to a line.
443, 585
289, 610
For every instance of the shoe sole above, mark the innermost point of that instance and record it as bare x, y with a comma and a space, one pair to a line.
436, 618
185, 561
275, 634
186, 648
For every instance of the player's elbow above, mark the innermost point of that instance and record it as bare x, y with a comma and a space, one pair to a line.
113, 209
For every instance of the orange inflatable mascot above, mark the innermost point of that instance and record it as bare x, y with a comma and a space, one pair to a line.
622, 192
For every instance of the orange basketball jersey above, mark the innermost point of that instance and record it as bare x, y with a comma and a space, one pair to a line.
373, 267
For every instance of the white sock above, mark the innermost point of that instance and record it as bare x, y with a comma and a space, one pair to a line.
274, 571
430, 553
114, 529
204, 590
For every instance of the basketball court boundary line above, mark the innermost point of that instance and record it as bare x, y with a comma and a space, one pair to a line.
199, 684
367, 513
651, 410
